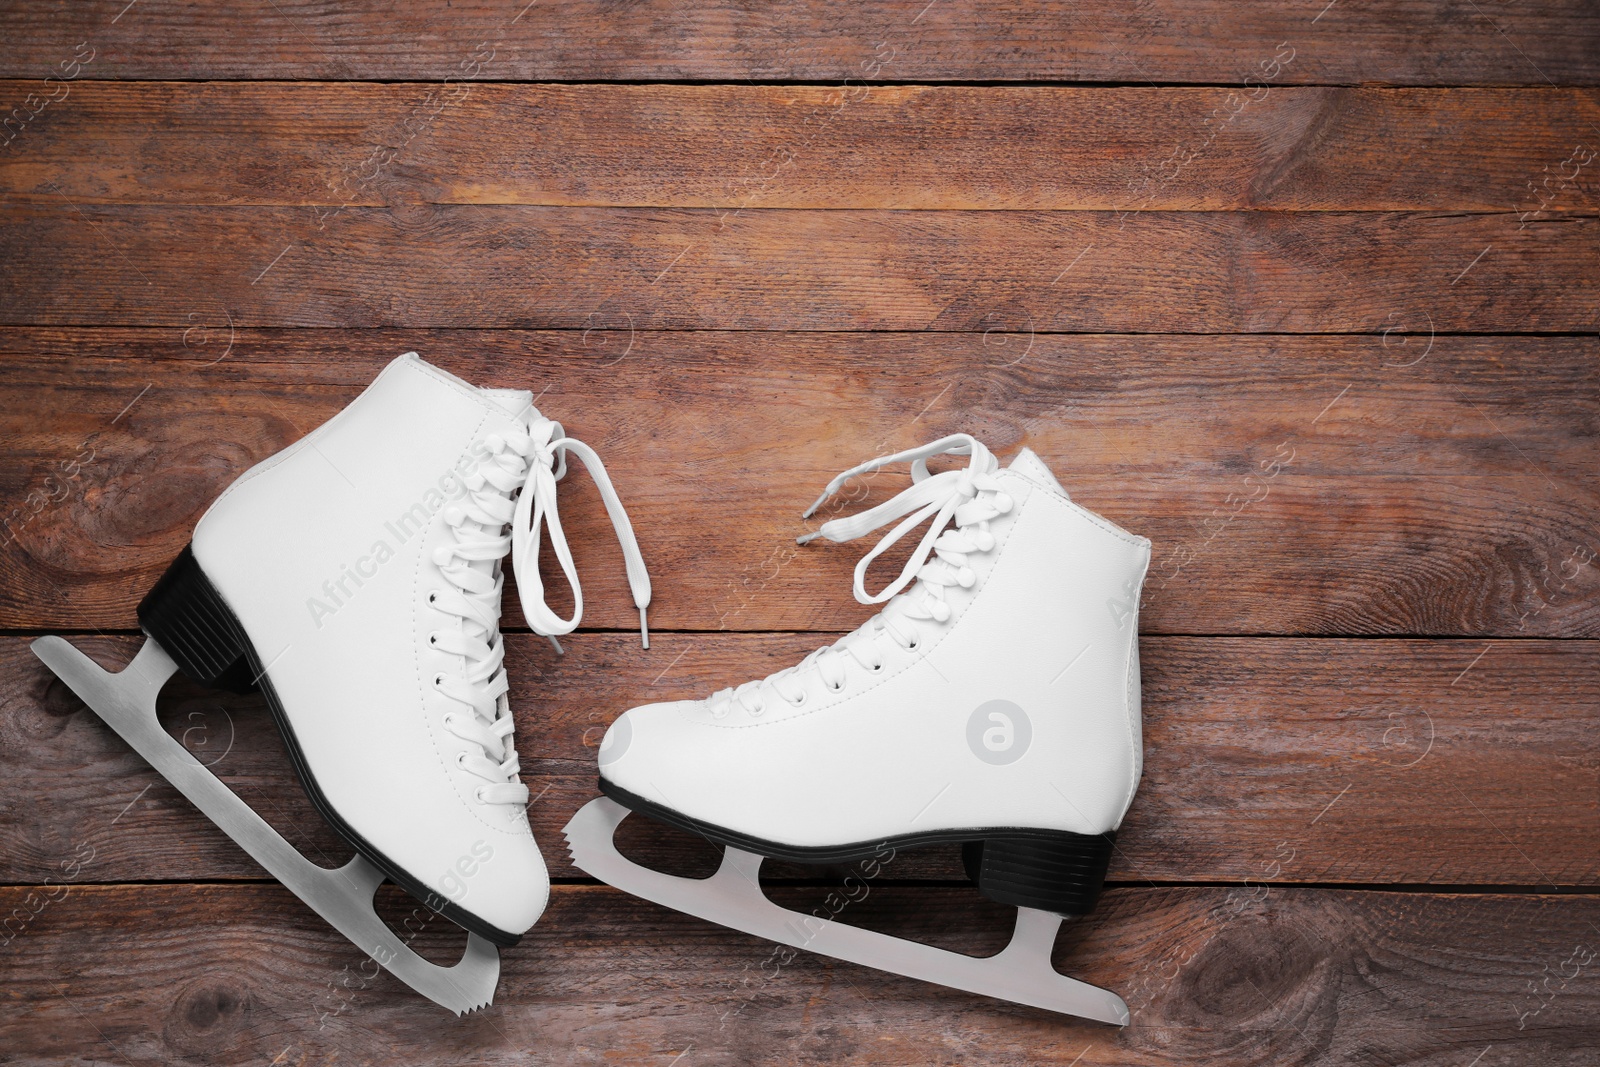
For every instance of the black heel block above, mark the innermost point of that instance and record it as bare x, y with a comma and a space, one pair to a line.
1051, 870
189, 619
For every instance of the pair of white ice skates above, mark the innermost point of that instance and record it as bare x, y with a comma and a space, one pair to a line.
356, 579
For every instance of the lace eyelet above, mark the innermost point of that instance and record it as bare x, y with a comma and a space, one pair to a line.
913, 646
438, 680
837, 688
461, 759
433, 598
756, 713
876, 667
478, 794
433, 639
801, 699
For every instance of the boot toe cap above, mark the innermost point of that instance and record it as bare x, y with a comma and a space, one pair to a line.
646, 745
503, 882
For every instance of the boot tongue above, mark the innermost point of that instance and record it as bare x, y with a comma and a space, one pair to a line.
513, 402
1030, 466
517, 404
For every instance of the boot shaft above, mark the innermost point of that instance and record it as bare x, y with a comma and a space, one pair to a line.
350, 512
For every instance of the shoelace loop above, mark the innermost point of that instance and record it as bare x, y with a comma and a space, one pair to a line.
545, 447
969, 497
511, 499
940, 497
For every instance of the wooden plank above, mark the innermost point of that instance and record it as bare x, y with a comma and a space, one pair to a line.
1402, 484
1267, 759
507, 266
1388, 41
246, 975
747, 147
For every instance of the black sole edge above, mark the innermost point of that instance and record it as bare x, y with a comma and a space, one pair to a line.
423, 895
849, 853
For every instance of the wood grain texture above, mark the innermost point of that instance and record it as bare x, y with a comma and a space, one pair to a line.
1390, 41
245, 975
420, 266
1424, 485
1244, 273
748, 147
1267, 759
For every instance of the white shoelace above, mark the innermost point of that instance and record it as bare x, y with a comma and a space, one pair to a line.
490, 521
970, 497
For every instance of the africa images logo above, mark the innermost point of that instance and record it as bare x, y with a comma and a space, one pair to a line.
998, 732
338, 591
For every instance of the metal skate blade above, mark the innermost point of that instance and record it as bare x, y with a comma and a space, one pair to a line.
1021, 972
343, 897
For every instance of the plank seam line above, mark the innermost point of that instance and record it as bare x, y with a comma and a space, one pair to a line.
1544, 85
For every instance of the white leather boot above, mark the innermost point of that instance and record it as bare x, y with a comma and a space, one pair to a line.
356, 578
995, 702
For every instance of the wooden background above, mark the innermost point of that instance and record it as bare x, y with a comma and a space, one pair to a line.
1171, 245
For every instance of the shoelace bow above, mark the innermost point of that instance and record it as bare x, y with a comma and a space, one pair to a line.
492, 520
970, 497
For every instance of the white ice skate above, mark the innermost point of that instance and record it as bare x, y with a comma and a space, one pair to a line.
993, 703
356, 578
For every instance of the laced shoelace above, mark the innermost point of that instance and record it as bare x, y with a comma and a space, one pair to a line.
492, 520
970, 497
